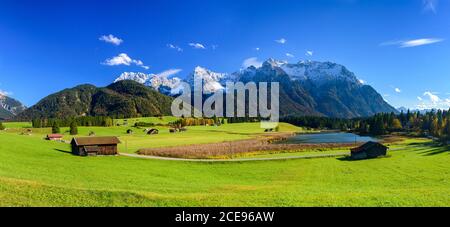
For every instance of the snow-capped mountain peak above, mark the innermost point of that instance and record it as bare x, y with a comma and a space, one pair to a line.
161, 82
275, 63
317, 72
138, 77
212, 81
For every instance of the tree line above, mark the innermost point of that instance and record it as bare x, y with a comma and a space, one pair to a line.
87, 121
435, 123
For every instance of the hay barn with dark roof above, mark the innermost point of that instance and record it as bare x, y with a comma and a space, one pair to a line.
369, 150
91, 146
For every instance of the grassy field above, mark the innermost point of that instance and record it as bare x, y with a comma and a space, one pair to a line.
139, 139
34, 172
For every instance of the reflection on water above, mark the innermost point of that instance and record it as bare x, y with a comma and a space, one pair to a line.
327, 138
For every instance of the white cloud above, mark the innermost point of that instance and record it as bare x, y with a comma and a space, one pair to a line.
430, 5
257, 49
111, 39
413, 42
124, 59
251, 62
290, 55
309, 53
362, 81
432, 97
398, 90
169, 72
175, 47
197, 45
281, 41
430, 100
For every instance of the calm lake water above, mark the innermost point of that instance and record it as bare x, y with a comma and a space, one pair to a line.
327, 138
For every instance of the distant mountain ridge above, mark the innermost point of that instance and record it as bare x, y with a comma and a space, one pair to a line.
307, 88
9, 107
122, 99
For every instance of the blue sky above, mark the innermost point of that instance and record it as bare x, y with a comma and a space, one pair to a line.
400, 47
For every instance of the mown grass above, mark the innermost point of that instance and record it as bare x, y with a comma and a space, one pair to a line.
139, 139
34, 172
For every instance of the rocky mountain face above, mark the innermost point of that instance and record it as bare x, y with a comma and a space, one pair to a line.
321, 88
306, 88
121, 99
9, 107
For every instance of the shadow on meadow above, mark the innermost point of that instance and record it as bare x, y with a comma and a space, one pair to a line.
431, 148
64, 151
350, 159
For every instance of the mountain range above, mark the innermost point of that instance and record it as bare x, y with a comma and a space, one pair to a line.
9, 107
306, 88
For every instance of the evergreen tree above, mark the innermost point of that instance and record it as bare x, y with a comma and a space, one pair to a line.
55, 128
2, 127
447, 129
73, 128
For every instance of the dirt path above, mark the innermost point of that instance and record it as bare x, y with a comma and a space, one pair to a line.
237, 160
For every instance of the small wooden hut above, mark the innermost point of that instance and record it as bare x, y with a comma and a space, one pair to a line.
152, 131
91, 146
54, 137
369, 150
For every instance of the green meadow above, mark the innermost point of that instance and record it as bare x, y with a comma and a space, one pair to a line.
139, 139
35, 172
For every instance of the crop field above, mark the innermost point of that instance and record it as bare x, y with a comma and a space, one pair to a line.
35, 172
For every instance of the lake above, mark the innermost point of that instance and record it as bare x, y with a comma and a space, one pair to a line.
327, 138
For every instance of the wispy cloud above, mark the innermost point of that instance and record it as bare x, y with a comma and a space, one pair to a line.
214, 47
281, 41
257, 49
111, 39
398, 90
290, 55
412, 43
175, 47
197, 45
5, 93
309, 53
124, 59
419, 42
251, 62
430, 6
169, 73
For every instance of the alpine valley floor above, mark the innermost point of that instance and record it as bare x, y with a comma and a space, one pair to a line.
34, 172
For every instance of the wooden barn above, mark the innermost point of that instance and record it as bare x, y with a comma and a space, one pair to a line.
152, 131
91, 146
54, 137
369, 150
